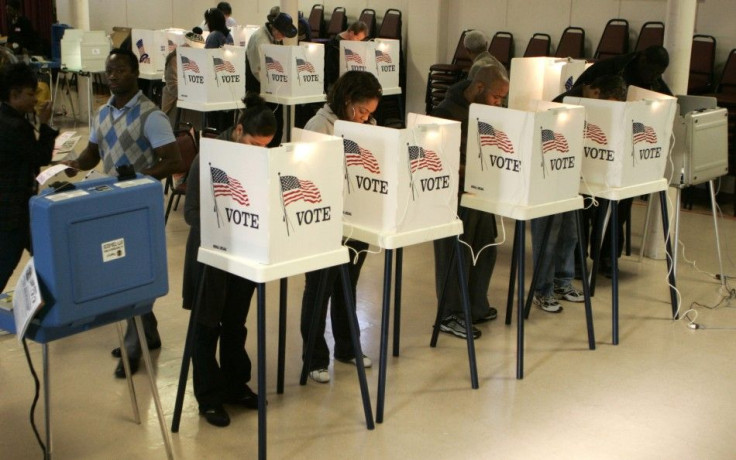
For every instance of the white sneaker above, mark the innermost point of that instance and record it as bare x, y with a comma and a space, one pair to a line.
367, 362
320, 375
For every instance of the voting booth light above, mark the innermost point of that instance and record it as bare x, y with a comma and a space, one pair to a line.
211, 76
293, 71
524, 157
272, 205
400, 179
541, 78
84, 50
626, 143
380, 57
99, 248
241, 34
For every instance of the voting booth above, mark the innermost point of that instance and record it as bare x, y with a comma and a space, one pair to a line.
151, 48
241, 34
211, 76
380, 57
700, 153
293, 71
626, 143
400, 179
541, 78
99, 247
272, 205
84, 50
524, 157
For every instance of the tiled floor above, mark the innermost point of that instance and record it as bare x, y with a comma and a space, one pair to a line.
666, 391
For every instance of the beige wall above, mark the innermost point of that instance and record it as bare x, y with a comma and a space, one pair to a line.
432, 27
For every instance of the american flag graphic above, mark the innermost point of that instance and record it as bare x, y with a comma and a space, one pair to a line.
568, 83
644, 133
294, 189
421, 158
383, 57
273, 64
222, 64
492, 136
303, 65
189, 64
352, 56
172, 46
225, 185
553, 141
595, 134
142, 51
356, 155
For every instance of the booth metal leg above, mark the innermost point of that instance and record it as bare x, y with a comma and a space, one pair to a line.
678, 204
384, 334
185, 360
598, 233
397, 300
512, 278
283, 295
614, 270
586, 287
715, 227
668, 248
313, 327
154, 388
354, 335
535, 274
261, 371
128, 376
47, 401
520, 230
468, 317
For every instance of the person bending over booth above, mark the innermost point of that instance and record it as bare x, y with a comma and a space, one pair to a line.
489, 86
354, 97
225, 297
557, 269
643, 69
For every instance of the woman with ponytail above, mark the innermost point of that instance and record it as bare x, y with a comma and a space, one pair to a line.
225, 297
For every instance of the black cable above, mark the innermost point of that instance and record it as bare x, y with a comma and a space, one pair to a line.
35, 398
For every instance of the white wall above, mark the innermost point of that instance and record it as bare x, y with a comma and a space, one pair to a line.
432, 27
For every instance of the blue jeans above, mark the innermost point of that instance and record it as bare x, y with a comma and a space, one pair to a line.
558, 263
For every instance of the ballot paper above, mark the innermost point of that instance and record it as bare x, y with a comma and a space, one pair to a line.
27, 299
65, 143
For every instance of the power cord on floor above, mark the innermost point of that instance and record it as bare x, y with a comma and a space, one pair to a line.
35, 398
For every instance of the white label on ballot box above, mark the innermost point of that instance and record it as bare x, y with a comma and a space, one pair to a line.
113, 250
133, 183
66, 195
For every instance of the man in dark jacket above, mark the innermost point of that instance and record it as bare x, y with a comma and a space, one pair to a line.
21, 157
490, 87
643, 69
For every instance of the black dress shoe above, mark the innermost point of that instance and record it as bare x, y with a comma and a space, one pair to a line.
151, 346
248, 398
120, 370
215, 415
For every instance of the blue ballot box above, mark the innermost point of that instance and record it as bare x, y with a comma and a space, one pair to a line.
99, 250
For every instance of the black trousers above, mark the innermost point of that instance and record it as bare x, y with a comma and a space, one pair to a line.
333, 292
216, 383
